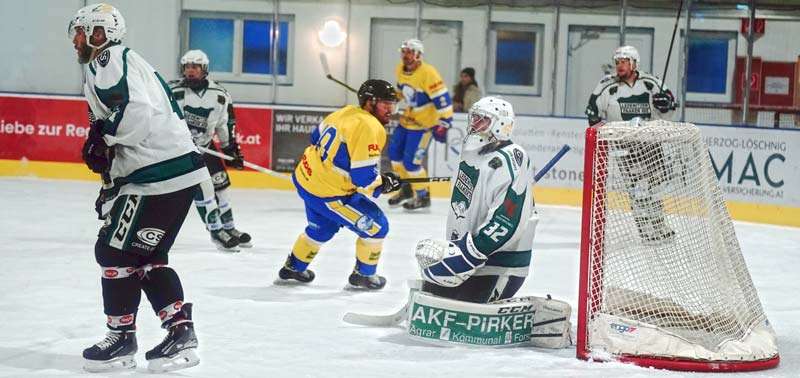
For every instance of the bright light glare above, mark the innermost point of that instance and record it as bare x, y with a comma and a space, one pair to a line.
331, 34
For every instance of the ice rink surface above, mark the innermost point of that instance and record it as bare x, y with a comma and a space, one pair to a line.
51, 308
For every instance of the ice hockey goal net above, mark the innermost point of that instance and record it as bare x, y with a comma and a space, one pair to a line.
662, 279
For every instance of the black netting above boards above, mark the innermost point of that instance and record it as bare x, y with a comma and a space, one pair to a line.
594, 4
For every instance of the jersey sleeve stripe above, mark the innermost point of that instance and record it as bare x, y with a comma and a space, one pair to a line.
365, 163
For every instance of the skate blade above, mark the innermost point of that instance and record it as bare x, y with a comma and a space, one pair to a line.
246, 245
360, 289
421, 210
181, 360
281, 282
228, 250
119, 363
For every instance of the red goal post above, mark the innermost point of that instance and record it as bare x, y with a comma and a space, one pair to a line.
682, 300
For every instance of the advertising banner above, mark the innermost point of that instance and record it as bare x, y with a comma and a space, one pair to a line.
292, 132
44, 129
53, 128
753, 165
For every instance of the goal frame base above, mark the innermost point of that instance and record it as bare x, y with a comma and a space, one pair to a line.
688, 365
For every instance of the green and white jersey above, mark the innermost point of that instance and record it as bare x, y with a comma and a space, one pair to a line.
143, 125
616, 100
207, 111
492, 199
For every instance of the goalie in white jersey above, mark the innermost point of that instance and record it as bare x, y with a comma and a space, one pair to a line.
140, 145
631, 95
208, 110
492, 217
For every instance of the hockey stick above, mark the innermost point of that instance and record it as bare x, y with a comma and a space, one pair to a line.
323, 59
547, 167
564, 149
671, 43
246, 163
400, 315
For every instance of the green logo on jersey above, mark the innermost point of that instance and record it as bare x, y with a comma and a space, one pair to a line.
635, 106
465, 183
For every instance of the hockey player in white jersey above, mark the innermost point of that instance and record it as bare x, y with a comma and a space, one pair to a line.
631, 95
139, 142
492, 218
208, 109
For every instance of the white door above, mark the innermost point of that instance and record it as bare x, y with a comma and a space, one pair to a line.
442, 41
590, 49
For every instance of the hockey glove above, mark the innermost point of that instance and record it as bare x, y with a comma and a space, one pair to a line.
233, 151
95, 150
390, 182
451, 263
663, 101
440, 131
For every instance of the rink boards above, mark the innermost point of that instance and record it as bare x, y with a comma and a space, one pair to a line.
758, 169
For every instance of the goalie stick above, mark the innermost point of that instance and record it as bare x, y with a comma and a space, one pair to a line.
246, 163
393, 319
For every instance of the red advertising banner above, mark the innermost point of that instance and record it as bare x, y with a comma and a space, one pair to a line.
254, 134
53, 128
42, 128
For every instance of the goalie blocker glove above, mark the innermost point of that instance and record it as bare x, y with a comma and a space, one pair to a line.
449, 264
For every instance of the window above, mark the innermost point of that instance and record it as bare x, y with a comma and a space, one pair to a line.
710, 65
239, 47
515, 59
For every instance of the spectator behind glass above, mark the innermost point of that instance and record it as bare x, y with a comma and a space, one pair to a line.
466, 92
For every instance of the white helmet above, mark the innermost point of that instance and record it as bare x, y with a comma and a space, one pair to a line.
490, 119
413, 44
195, 57
627, 52
102, 15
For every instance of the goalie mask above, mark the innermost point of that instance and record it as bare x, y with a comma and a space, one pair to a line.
99, 15
627, 52
491, 119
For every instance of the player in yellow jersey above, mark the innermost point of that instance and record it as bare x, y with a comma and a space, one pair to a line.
429, 113
344, 155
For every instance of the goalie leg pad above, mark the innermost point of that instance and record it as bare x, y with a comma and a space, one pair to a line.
551, 326
442, 320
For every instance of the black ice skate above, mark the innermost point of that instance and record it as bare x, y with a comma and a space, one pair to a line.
654, 231
288, 273
177, 351
225, 241
404, 194
359, 281
115, 352
419, 202
245, 241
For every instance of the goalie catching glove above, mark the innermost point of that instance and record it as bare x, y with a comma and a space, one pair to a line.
451, 263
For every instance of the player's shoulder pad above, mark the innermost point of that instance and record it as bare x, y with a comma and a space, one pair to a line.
175, 83
649, 79
604, 83
514, 156
111, 66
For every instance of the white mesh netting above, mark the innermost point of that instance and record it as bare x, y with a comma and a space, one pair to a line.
663, 248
